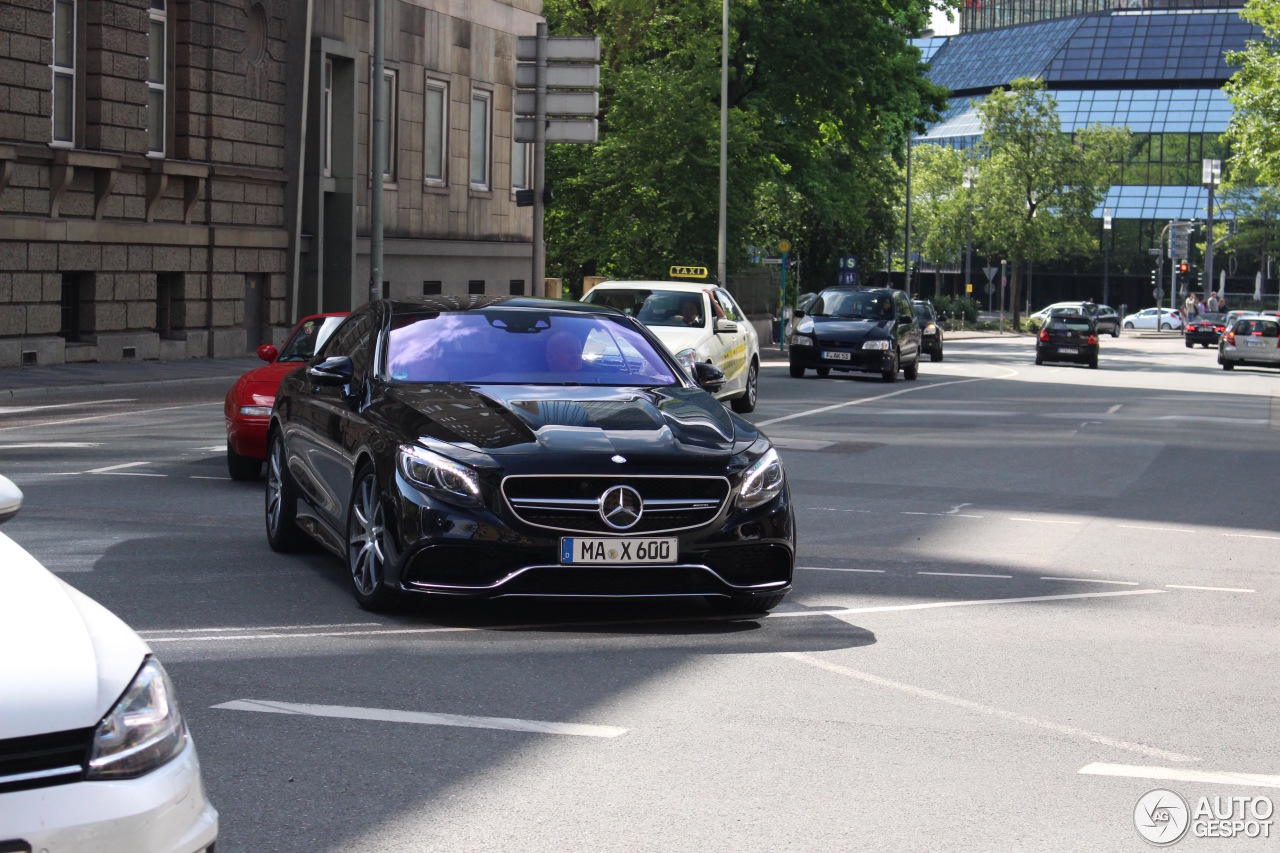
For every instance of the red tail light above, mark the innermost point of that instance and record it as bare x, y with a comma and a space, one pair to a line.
1044, 334
1093, 339
1231, 338
1219, 329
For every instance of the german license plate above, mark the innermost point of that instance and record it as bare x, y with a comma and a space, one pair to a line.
1068, 351
836, 356
576, 549
1256, 343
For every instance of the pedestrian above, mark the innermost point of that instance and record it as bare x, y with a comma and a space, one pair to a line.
1222, 303
1189, 307
1212, 304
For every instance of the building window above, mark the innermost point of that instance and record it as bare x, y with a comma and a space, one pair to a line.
390, 96
517, 287
64, 72
475, 288
520, 165
431, 288
436, 132
157, 79
326, 118
77, 289
480, 102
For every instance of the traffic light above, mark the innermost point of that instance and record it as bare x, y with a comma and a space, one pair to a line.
1183, 267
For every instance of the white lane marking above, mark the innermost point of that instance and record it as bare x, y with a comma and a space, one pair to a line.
826, 569
931, 605
1044, 520
1157, 529
944, 413
964, 575
17, 410
214, 448
1117, 407
955, 510
1209, 588
257, 628
132, 474
110, 468
389, 715
969, 705
1248, 536
1177, 774
949, 514
822, 409
198, 477
51, 445
315, 634
835, 509
111, 415
1091, 580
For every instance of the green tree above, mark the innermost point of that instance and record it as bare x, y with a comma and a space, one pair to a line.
1038, 186
822, 95
1254, 91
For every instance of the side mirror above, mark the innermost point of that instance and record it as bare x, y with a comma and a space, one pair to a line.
725, 327
799, 312
10, 500
709, 377
268, 353
333, 371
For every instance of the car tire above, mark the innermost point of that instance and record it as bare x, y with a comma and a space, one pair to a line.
747, 402
936, 355
911, 372
1190, 345
1205, 344
243, 468
1115, 331
1226, 365
1093, 364
823, 372
283, 533
1039, 358
797, 372
1128, 325
747, 605
365, 547
891, 375
1165, 327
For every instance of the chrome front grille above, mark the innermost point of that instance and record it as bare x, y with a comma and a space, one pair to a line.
571, 504
41, 760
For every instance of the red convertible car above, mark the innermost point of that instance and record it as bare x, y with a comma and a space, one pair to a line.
248, 404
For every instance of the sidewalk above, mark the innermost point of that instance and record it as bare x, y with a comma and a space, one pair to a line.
26, 381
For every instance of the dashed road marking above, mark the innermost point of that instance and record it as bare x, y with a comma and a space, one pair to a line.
976, 602
965, 575
1249, 536
1044, 520
112, 469
1091, 580
1177, 774
1209, 588
826, 569
18, 410
1155, 529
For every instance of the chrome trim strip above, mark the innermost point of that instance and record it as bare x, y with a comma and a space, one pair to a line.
720, 505
42, 774
513, 575
593, 503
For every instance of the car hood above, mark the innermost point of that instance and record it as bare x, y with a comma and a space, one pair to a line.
264, 381
677, 338
831, 329
571, 420
67, 659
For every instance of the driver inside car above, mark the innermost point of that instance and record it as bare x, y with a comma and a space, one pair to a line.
564, 352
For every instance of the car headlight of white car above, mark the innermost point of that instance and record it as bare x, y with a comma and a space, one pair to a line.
443, 478
688, 358
762, 481
883, 345
143, 731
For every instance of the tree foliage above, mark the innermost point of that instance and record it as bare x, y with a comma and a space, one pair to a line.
1254, 91
822, 94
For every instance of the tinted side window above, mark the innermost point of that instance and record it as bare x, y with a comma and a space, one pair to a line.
351, 339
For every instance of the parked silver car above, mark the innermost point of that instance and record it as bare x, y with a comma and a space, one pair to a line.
1251, 340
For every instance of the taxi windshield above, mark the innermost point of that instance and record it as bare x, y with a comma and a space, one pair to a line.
653, 306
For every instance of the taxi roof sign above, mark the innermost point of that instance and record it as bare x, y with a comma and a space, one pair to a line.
688, 272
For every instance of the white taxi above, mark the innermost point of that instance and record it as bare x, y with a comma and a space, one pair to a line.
698, 323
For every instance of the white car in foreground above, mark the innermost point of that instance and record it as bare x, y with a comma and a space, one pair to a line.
94, 754
697, 323
1147, 318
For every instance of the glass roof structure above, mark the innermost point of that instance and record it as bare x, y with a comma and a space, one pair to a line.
981, 61
929, 46
1134, 202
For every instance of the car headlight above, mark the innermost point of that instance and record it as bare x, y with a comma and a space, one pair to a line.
440, 477
256, 411
688, 358
876, 345
143, 731
762, 481
801, 341
931, 329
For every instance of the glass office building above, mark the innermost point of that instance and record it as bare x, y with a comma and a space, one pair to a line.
1158, 71
991, 14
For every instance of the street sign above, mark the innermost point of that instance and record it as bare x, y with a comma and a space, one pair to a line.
989, 288
1158, 293
968, 288
784, 246
1155, 253
560, 104
560, 76
688, 272
560, 49
990, 273
559, 130
847, 270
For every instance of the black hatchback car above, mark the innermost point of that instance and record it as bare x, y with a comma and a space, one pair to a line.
1204, 329
870, 330
930, 328
522, 447
1068, 337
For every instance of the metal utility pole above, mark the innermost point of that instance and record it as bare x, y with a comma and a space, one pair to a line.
970, 175
1106, 256
538, 286
906, 251
1212, 176
377, 157
722, 240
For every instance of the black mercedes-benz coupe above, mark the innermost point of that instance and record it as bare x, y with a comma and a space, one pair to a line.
871, 330
524, 447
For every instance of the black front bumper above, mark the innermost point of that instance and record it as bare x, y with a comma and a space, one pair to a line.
479, 553
862, 360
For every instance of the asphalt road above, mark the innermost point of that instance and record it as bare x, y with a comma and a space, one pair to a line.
1009, 574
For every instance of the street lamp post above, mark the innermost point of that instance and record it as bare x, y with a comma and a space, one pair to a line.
1211, 176
970, 177
1106, 256
722, 237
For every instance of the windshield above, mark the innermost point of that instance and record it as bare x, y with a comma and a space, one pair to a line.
309, 337
654, 307
513, 346
854, 304
923, 312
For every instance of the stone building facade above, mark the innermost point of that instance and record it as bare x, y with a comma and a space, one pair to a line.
184, 179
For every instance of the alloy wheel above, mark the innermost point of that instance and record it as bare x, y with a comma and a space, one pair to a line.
364, 537
275, 468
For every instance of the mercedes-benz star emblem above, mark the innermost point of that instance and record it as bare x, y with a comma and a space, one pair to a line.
621, 507
618, 458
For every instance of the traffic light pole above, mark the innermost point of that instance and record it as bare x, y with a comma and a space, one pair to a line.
537, 287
